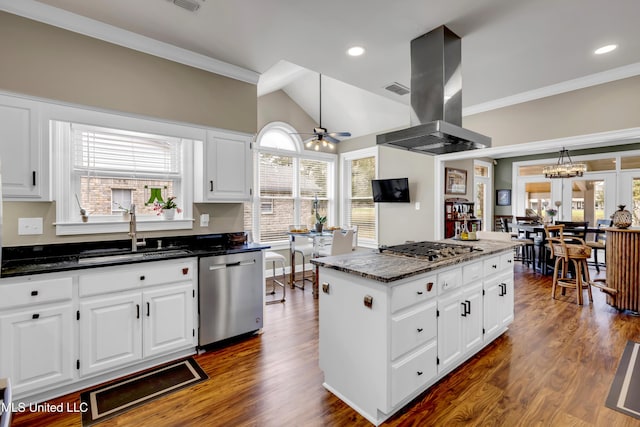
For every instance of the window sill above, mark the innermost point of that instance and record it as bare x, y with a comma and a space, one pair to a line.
99, 227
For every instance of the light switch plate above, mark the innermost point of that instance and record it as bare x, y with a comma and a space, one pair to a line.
29, 226
204, 220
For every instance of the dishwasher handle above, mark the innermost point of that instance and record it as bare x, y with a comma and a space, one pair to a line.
232, 264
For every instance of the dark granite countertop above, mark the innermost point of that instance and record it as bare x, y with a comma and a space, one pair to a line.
38, 259
386, 268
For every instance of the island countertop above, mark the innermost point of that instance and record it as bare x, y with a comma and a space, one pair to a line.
386, 268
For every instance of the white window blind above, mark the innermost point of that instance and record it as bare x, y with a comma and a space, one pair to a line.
276, 181
103, 151
360, 209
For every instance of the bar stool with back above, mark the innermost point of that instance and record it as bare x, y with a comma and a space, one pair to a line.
568, 249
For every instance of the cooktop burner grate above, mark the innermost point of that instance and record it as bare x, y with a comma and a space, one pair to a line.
427, 250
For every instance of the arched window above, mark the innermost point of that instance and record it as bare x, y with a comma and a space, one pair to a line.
288, 181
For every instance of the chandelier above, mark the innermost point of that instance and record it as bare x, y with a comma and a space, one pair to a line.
565, 168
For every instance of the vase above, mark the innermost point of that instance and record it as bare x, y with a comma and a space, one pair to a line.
319, 226
622, 218
168, 213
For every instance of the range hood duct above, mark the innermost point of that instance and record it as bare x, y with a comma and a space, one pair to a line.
436, 99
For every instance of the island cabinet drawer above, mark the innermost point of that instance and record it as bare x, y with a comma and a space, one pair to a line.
413, 292
448, 280
32, 292
506, 261
472, 272
413, 372
413, 328
492, 265
126, 277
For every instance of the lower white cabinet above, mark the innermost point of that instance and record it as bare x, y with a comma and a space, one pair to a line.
62, 329
382, 344
149, 316
37, 347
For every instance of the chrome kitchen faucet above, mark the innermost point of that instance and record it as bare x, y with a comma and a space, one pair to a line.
132, 230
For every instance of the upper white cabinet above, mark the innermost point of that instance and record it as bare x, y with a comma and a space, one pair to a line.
24, 153
224, 169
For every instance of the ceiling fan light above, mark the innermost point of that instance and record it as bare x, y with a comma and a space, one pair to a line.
317, 147
308, 144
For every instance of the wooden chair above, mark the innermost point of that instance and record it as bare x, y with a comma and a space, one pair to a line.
528, 253
599, 242
567, 250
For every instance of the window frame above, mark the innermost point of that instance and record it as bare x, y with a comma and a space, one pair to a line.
64, 188
345, 186
297, 155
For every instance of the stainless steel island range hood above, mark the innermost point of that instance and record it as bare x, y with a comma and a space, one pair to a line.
436, 99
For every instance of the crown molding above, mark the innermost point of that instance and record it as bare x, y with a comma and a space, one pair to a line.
99, 30
619, 73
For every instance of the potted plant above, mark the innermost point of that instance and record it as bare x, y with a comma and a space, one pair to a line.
550, 214
320, 221
167, 208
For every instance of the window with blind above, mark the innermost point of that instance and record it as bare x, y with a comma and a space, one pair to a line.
290, 180
358, 208
106, 159
104, 170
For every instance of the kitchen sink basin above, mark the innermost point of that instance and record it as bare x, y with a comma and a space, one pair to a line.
132, 256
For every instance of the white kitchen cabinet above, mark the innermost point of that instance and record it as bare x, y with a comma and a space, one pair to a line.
134, 312
36, 332
23, 150
382, 344
224, 168
110, 332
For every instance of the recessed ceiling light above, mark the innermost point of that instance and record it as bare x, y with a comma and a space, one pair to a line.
355, 51
605, 49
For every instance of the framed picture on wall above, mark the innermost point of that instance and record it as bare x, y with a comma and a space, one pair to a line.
503, 197
455, 181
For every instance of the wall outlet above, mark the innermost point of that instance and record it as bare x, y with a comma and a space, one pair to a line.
204, 220
417, 206
29, 226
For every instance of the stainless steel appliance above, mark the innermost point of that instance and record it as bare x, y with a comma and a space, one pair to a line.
231, 295
431, 251
436, 99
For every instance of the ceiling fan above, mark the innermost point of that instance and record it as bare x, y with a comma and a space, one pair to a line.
322, 137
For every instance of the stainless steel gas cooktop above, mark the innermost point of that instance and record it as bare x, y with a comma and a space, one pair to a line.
431, 251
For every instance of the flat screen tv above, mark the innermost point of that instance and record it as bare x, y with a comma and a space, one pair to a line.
394, 190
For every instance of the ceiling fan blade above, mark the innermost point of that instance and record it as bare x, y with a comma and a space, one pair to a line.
331, 139
339, 134
302, 133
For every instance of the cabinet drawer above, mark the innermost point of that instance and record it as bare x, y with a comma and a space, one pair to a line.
506, 261
413, 372
121, 278
413, 292
413, 329
492, 265
35, 292
451, 279
472, 272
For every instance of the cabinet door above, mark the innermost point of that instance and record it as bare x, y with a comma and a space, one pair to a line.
23, 164
473, 321
110, 332
168, 319
228, 167
506, 300
492, 322
450, 311
36, 349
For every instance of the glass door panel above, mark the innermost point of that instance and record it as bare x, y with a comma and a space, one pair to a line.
590, 198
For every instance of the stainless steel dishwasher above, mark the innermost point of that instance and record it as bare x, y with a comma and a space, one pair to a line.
231, 295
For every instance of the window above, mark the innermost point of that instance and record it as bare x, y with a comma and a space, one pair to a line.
107, 166
358, 169
289, 181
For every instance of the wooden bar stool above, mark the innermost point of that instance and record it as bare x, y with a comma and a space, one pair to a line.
575, 253
273, 258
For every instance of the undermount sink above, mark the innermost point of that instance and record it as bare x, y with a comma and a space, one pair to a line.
133, 256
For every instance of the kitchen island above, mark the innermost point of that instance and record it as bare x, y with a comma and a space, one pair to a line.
392, 325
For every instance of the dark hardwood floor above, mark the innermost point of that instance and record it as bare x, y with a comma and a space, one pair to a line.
553, 367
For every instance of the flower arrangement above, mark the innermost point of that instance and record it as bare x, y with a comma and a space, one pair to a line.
164, 205
552, 212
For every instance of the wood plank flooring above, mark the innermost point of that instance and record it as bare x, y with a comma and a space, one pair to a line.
553, 367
